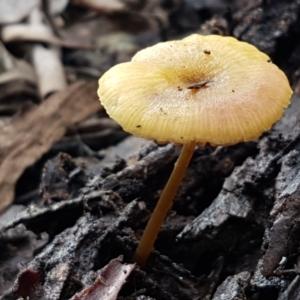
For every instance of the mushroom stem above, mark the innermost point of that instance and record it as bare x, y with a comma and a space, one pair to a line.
163, 205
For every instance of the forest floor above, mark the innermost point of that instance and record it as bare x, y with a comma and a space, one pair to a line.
77, 191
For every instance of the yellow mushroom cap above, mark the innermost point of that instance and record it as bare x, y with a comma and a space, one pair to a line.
207, 89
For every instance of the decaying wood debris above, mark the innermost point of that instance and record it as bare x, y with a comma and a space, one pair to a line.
76, 191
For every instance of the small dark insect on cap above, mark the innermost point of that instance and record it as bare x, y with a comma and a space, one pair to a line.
198, 85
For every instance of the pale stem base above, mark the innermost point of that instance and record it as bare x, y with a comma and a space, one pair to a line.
163, 205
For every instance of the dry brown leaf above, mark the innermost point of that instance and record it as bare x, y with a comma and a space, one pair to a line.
36, 33
27, 137
15, 10
47, 62
86, 32
15, 95
101, 5
25, 32
12, 69
57, 6
28, 281
17, 78
108, 283
20, 71
49, 69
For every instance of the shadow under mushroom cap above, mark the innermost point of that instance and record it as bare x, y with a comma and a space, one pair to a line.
208, 89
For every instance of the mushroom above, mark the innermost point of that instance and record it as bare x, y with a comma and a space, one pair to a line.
200, 90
